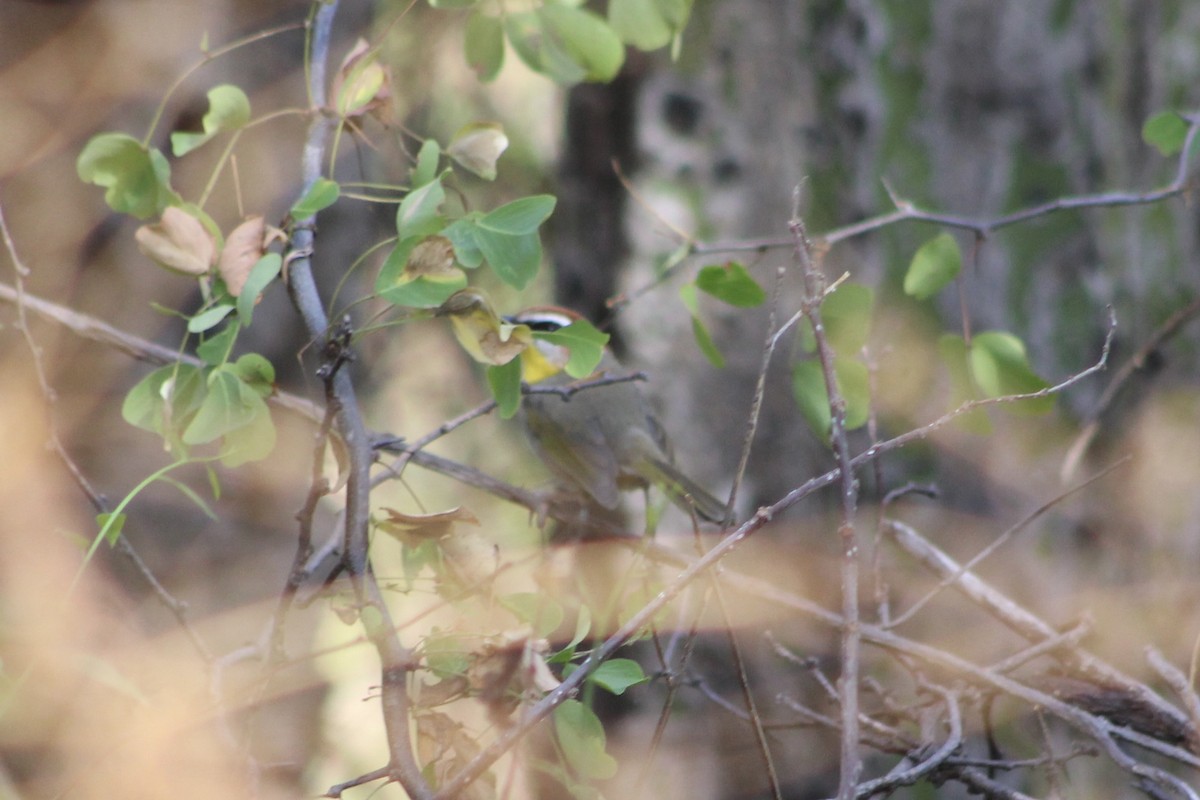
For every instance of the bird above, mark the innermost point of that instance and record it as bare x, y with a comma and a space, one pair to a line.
601, 439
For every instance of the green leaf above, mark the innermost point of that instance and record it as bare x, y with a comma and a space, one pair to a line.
618, 674
706, 344
165, 399
405, 283
462, 236
536, 609
936, 263
229, 404
583, 625
687, 292
846, 317
585, 343
731, 283
321, 195
265, 270
586, 38
138, 181
228, 109
446, 654
505, 383
216, 348
112, 526
361, 86
581, 736
1166, 131
256, 372
251, 442
427, 163
1000, 367
808, 387
953, 350
207, 320
642, 23
484, 45
478, 146
452, 3
515, 259
520, 216
418, 214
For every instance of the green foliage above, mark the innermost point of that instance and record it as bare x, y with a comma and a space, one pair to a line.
477, 147
1166, 131
566, 44
704, 340
615, 675
809, 389
846, 316
137, 179
731, 283
648, 24
264, 271
585, 343
321, 195
535, 609
228, 110
581, 738
1000, 367
936, 264
504, 381
483, 45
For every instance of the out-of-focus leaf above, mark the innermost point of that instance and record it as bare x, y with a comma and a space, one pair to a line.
808, 387
419, 213
427, 163
585, 343
420, 273
505, 382
687, 292
137, 180
520, 216
1166, 131
261, 274
514, 259
321, 195
731, 283
179, 242
953, 350
484, 45
846, 316
1000, 367
936, 264
228, 110
581, 737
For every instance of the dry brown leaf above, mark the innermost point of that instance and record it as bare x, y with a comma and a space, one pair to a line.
433, 258
243, 248
179, 242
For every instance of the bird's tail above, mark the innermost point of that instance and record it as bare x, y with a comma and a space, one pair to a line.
683, 491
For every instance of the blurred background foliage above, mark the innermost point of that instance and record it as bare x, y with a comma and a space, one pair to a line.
972, 108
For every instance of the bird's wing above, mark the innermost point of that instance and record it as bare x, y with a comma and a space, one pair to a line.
582, 457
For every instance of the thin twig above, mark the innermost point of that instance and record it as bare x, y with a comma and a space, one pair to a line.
760, 390
1134, 364
1021, 620
1000, 540
851, 761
